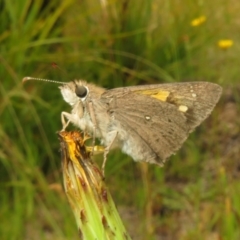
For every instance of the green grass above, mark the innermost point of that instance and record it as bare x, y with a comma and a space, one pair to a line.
196, 194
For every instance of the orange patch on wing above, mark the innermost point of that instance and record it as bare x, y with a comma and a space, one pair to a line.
155, 93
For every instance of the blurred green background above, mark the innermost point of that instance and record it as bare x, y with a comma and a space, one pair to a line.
119, 43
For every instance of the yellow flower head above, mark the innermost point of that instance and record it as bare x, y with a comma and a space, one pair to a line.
225, 43
198, 21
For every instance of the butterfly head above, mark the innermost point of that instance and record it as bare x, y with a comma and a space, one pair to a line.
74, 91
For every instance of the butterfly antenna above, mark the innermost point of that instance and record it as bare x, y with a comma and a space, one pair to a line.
41, 79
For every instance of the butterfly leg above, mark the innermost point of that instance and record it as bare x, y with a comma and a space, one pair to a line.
113, 135
63, 120
94, 121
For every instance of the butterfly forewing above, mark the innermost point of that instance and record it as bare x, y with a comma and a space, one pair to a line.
158, 118
195, 99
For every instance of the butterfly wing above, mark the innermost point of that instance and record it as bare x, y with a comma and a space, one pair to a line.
153, 121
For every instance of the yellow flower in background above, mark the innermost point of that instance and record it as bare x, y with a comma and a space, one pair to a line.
225, 43
198, 21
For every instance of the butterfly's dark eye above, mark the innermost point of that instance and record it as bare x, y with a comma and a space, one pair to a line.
81, 91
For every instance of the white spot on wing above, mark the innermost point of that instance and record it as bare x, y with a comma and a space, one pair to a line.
182, 108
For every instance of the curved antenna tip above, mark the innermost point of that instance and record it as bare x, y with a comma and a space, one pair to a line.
25, 79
